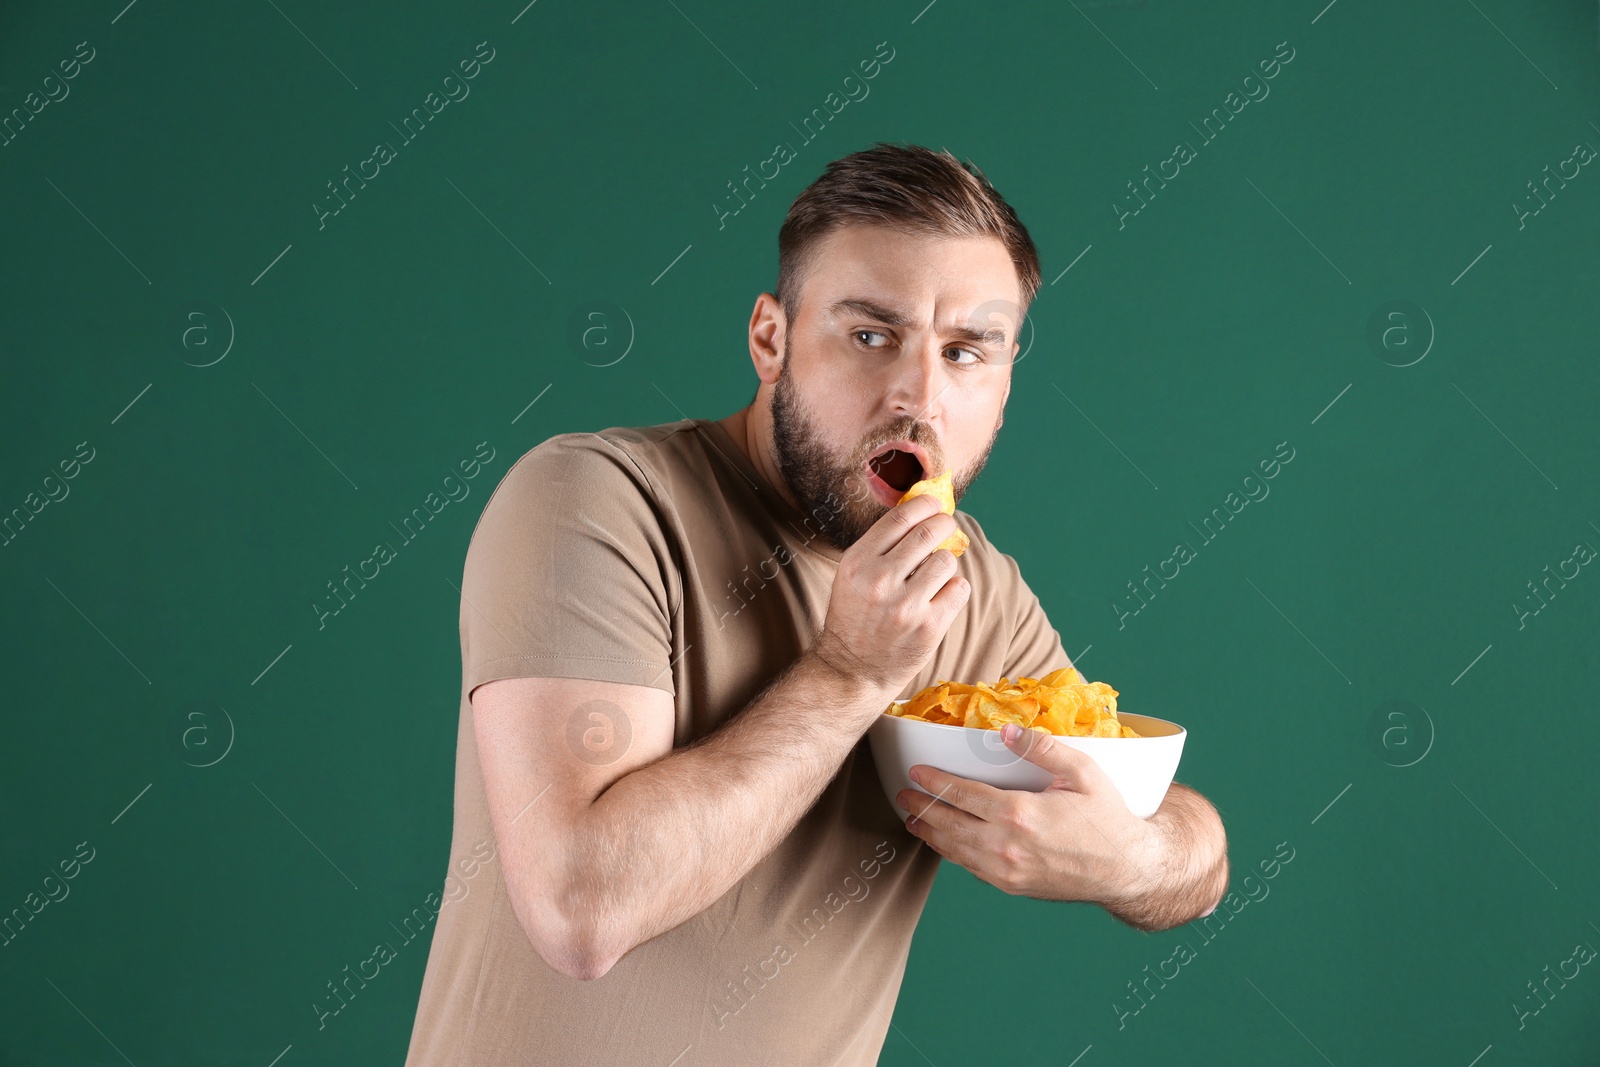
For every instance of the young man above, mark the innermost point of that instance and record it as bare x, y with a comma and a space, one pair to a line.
675, 637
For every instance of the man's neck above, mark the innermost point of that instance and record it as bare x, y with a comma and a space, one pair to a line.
751, 429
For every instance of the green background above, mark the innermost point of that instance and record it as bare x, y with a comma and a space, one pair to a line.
159, 618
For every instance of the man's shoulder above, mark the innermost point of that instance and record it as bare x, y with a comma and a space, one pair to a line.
608, 470
991, 569
983, 551
644, 449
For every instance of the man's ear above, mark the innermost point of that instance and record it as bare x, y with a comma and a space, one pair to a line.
767, 326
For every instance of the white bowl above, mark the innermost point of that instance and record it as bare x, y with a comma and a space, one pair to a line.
1140, 767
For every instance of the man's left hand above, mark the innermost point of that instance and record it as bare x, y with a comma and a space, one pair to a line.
1075, 840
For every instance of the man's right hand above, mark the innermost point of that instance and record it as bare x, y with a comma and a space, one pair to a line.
893, 598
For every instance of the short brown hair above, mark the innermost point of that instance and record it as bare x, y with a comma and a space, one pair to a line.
909, 187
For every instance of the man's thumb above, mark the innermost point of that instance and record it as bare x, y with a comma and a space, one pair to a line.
1042, 748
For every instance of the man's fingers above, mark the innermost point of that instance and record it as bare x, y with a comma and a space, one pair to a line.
920, 542
933, 575
957, 825
953, 595
887, 532
979, 799
1074, 768
952, 833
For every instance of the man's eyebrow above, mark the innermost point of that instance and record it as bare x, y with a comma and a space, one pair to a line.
893, 317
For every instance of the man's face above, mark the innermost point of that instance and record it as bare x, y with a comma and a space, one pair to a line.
898, 338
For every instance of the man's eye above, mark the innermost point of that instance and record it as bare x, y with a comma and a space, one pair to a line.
975, 357
858, 334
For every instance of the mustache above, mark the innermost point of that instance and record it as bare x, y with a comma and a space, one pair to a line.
914, 432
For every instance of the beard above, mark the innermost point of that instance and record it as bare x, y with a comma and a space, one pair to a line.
833, 491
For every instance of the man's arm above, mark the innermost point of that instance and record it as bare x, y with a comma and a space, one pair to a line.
1077, 838
1186, 870
1178, 870
610, 859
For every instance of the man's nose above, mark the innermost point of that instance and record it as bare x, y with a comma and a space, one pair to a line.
920, 382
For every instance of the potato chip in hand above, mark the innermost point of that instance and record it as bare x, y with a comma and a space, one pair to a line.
942, 490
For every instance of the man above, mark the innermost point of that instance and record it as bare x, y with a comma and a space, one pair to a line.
675, 637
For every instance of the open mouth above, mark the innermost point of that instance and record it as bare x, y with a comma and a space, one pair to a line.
899, 469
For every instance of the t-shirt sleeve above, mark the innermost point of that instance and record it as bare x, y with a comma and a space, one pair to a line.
569, 572
1033, 647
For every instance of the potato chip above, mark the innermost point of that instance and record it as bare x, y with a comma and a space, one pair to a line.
1060, 703
942, 490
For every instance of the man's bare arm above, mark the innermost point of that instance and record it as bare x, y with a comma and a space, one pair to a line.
1187, 872
598, 869
624, 851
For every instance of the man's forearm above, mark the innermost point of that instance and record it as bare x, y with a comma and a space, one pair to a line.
1188, 869
662, 843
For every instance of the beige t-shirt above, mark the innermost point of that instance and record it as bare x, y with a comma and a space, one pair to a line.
659, 556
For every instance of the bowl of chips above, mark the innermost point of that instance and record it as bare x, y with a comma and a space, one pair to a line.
955, 727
